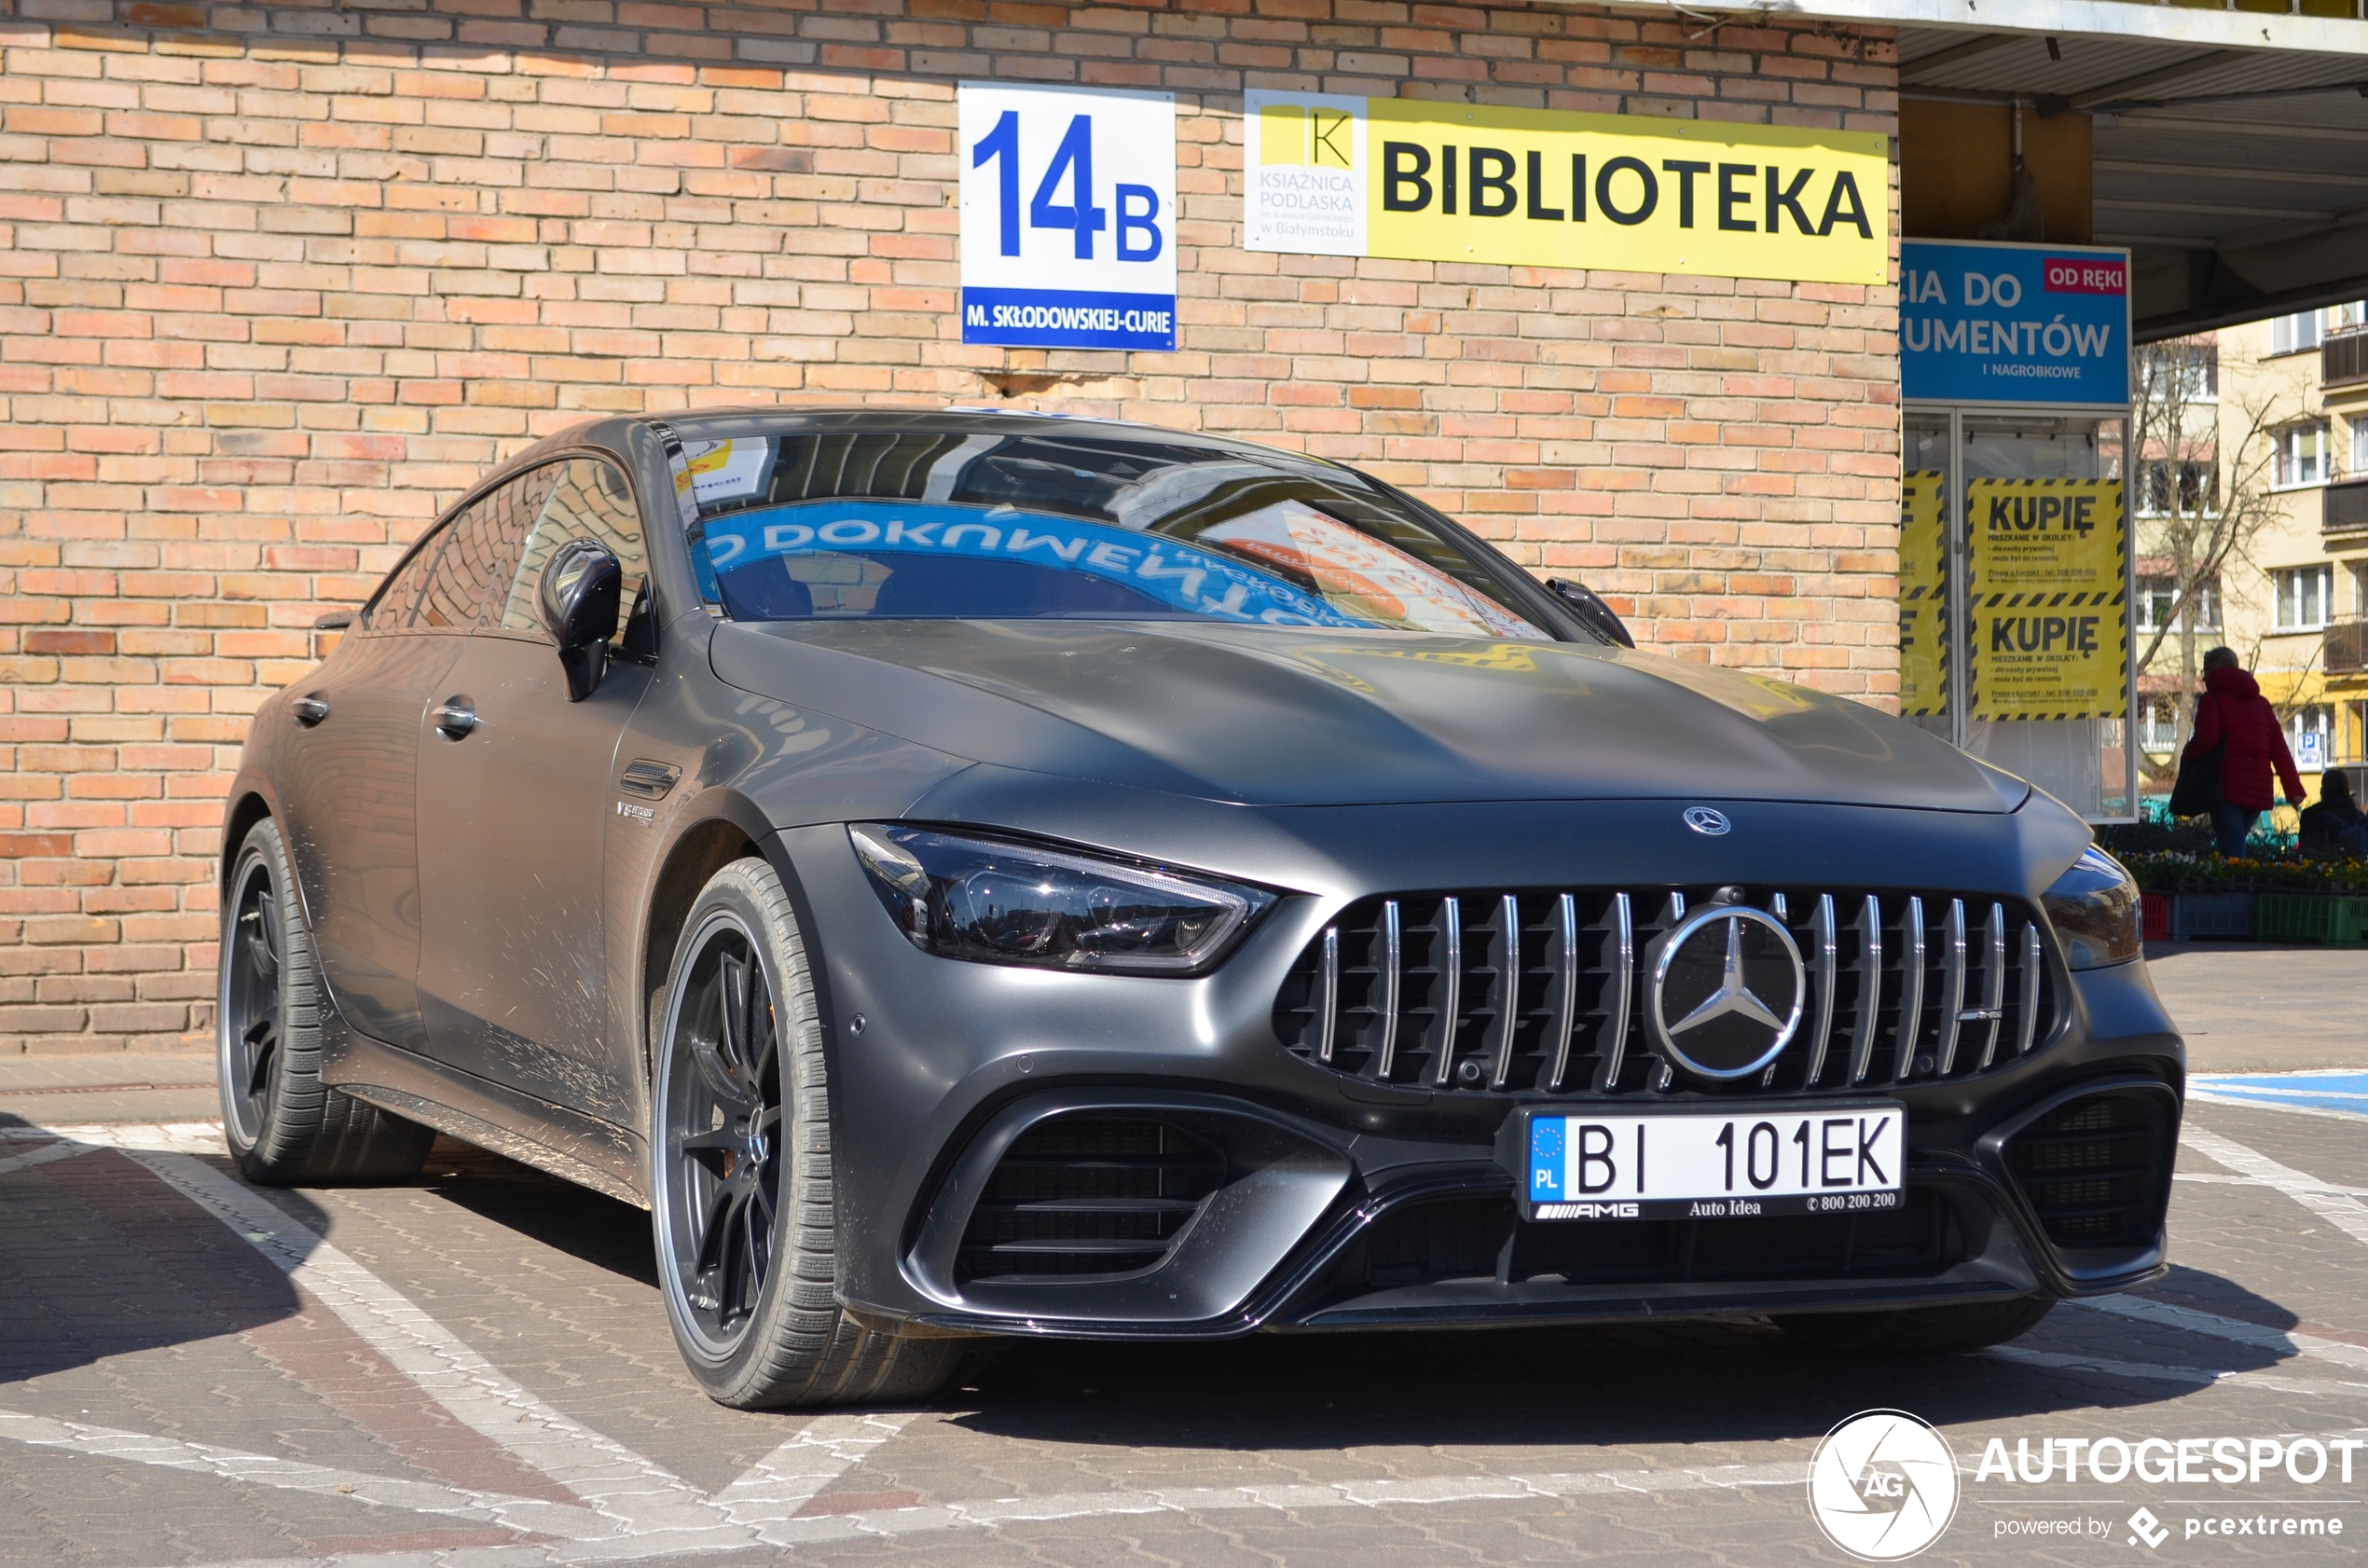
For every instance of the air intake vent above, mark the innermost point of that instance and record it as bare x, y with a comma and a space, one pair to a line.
1083, 1195
1503, 991
2094, 1169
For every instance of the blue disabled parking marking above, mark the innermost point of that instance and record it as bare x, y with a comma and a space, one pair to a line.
2342, 1091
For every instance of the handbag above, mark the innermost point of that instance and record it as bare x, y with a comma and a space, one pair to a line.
2197, 787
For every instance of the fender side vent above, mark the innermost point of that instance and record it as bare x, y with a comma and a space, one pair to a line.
1084, 1196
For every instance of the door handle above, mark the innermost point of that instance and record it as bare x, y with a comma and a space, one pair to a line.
456, 718
308, 711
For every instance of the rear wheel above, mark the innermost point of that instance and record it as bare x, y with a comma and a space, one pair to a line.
1921, 1330
741, 1181
282, 1125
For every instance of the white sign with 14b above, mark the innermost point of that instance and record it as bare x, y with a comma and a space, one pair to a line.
1068, 217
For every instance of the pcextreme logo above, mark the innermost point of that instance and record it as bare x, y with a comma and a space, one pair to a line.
1883, 1485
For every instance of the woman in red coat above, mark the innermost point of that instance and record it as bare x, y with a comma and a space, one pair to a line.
2231, 709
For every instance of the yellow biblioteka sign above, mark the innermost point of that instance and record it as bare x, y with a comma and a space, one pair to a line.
1334, 175
2049, 636
1923, 596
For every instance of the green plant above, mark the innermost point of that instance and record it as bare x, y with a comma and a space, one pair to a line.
2181, 872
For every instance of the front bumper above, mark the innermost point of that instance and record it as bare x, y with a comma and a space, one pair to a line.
1350, 1204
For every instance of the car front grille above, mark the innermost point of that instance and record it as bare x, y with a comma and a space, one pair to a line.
1088, 1195
1511, 991
2093, 1169
1469, 1238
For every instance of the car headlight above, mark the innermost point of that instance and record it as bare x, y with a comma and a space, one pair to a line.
2094, 908
998, 902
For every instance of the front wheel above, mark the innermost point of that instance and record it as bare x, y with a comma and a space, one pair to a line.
741, 1180
1921, 1330
283, 1125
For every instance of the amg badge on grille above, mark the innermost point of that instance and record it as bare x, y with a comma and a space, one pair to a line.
1727, 990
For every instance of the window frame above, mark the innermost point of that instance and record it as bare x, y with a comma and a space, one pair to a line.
431, 537
2325, 729
492, 625
2207, 601
2285, 583
2288, 453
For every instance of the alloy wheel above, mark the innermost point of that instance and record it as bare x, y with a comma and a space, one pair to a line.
253, 1026
722, 1129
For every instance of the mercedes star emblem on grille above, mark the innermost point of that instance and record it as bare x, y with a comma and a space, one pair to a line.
1702, 819
1727, 988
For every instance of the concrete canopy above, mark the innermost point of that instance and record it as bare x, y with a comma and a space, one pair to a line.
2231, 148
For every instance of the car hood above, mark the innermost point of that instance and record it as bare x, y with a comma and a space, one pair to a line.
1273, 716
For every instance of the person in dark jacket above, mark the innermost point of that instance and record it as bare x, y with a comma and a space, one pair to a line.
2335, 826
2231, 709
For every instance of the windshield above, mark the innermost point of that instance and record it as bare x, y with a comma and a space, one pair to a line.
1076, 524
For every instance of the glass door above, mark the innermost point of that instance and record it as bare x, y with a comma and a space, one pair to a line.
2015, 563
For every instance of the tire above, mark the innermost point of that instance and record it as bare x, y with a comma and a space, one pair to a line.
740, 1180
284, 1127
1921, 1330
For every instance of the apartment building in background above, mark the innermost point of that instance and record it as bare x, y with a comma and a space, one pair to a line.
2277, 419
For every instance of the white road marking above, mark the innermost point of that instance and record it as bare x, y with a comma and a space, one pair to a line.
631, 1499
2146, 1372
43, 1156
986, 1513
788, 1477
2344, 1212
2236, 1330
526, 1514
2213, 1179
179, 1137
636, 1493
2195, 1093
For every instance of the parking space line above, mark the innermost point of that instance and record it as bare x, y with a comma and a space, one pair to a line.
638, 1492
630, 1498
43, 1156
990, 1512
526, 1514
788, 1477
2345, 1213
2236, 1330
2213, 1179
2340, 1093
2144, 1371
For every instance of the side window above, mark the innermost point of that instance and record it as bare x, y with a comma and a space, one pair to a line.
591, 500
392, 607
479, 547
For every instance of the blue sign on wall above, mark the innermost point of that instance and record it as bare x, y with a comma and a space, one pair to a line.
2013, 324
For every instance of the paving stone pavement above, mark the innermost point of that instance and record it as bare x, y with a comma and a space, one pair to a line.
193, 1372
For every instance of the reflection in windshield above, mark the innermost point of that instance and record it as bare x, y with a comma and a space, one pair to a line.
1076, 524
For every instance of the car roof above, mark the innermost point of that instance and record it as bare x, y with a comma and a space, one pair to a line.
722, 425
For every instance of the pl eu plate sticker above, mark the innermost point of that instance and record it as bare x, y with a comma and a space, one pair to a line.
1068, 217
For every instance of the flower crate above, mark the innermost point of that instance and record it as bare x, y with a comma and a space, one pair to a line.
2210, 916
2338, 922
2153, 915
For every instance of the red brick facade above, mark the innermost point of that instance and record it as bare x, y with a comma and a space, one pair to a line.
276, 281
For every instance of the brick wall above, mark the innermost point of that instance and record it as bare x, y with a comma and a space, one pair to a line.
278, 280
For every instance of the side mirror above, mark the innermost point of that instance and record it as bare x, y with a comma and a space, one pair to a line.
578, 599
1597, 616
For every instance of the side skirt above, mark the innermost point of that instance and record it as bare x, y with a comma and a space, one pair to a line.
565, 1143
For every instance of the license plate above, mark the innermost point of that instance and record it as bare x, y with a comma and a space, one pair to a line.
1717, 1165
